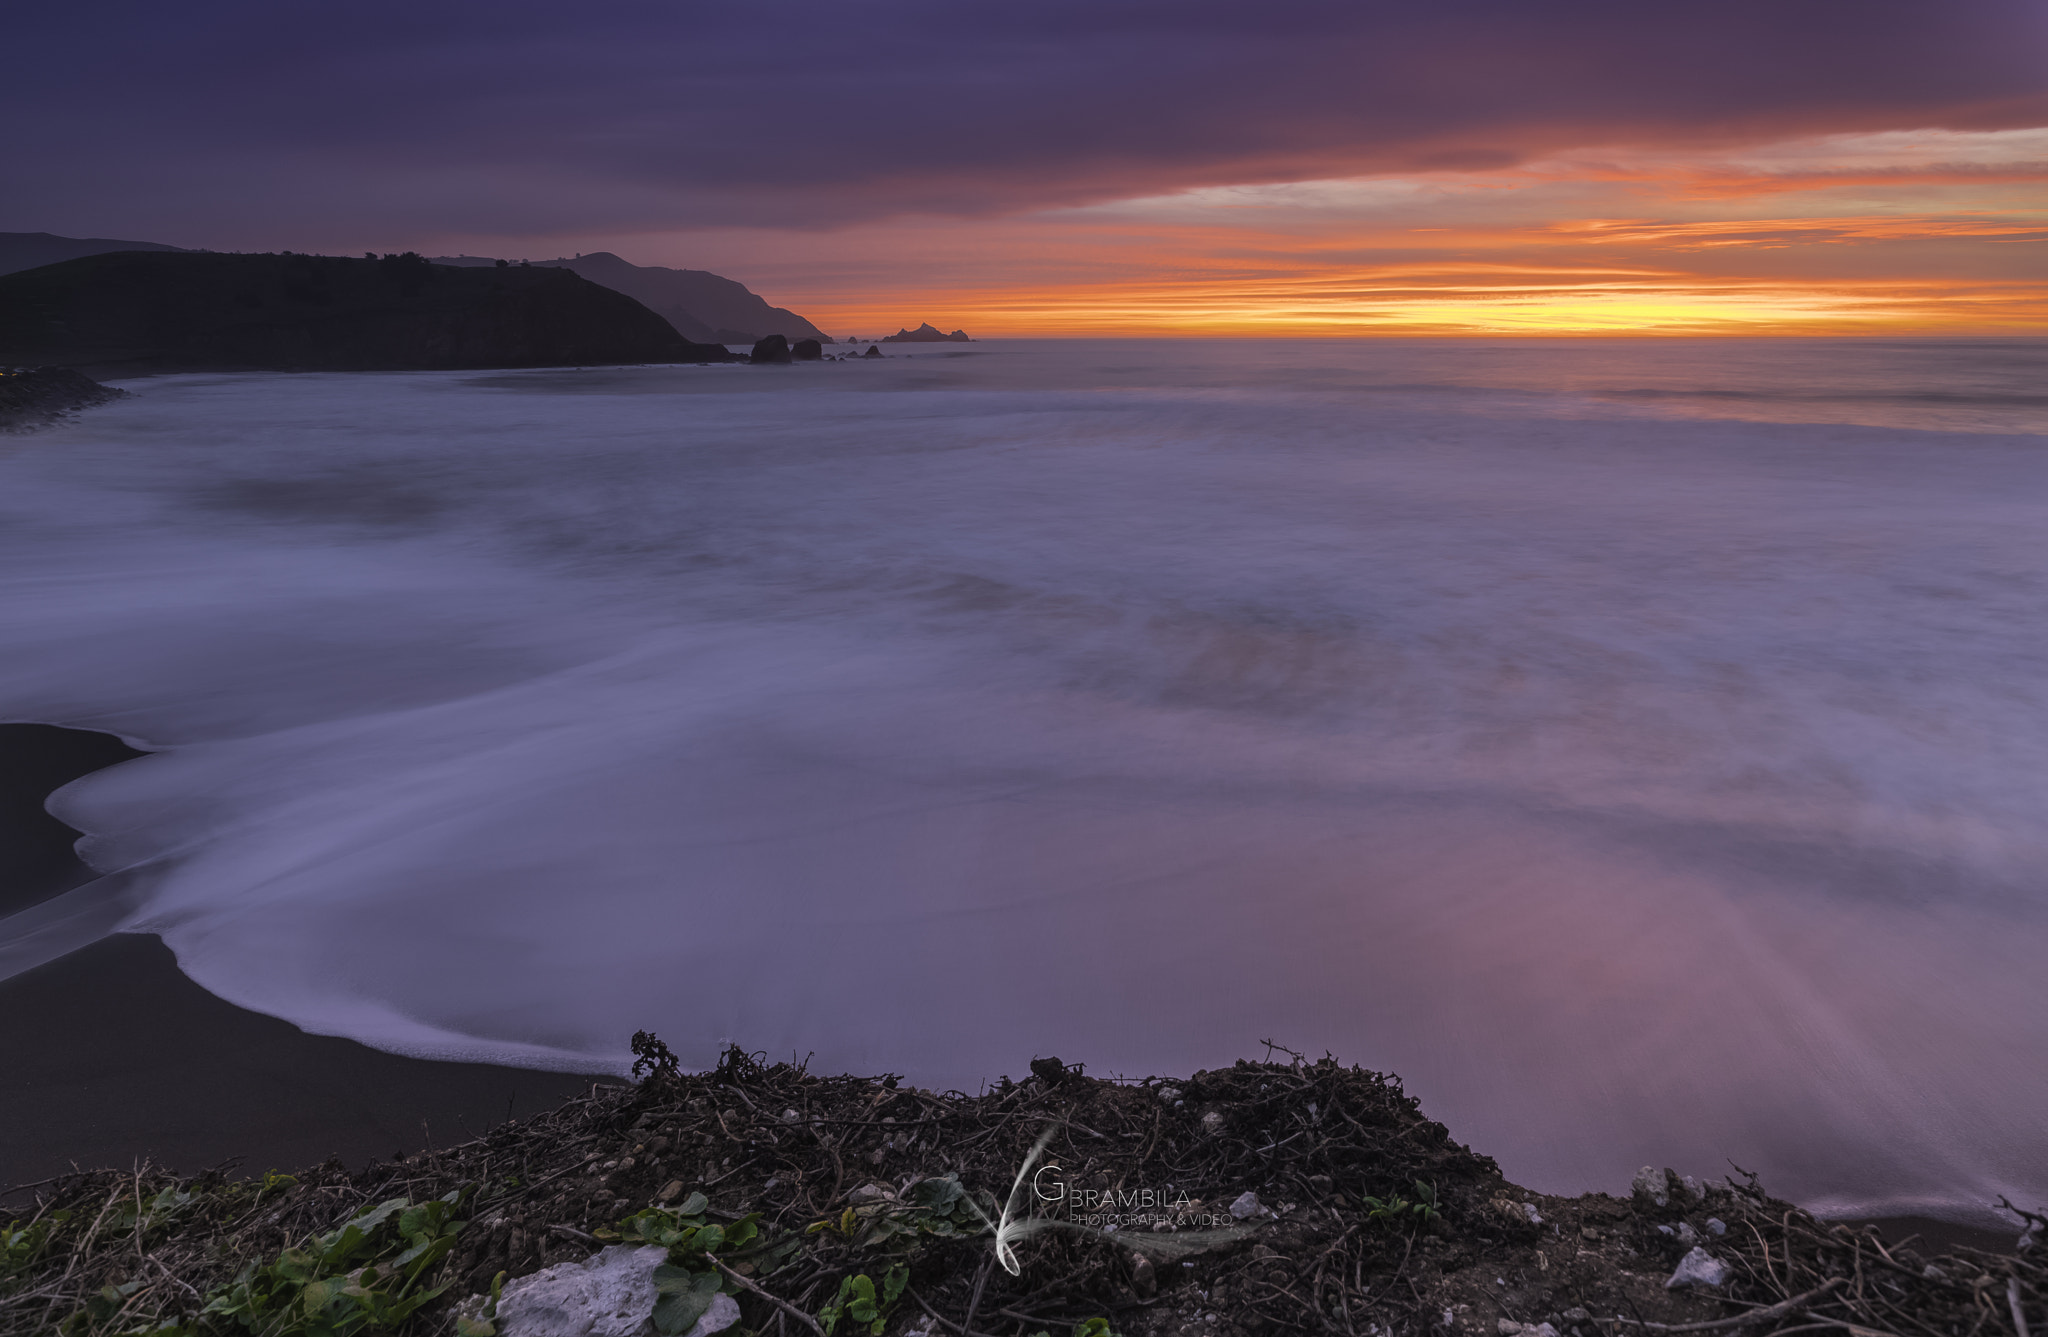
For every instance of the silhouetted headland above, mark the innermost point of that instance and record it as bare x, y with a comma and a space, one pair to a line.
133, 313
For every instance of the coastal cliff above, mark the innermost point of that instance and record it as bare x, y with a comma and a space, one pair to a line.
138, 312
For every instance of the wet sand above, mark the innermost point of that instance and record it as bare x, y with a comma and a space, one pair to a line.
110, 1055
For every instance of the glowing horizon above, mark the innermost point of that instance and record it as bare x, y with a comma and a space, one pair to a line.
1933, 232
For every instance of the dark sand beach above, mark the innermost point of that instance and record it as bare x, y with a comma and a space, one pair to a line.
111, 1055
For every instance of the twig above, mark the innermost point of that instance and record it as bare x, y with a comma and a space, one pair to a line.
780, 1303
2012, 1297
981, 1280
939, 1318
730, 1173
1778, 1310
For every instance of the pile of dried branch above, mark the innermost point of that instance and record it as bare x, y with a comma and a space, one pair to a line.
1365, 1217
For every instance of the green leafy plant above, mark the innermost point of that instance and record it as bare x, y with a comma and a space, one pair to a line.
1396, 1210
152, 1213
22, 1247
939, 1207
370, 1272
858, 1300
685, 1296
484, 1323
274, 1182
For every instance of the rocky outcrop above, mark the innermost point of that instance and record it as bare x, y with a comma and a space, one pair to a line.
872, 352
807, 350
774, 348
137, 312
33, 397
925, 334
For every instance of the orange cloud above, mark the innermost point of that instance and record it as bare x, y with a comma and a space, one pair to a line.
1924, 232
1782, 232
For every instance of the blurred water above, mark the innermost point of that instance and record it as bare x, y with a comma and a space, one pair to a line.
1637, 746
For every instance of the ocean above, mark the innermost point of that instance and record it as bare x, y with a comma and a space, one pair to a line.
1638, 746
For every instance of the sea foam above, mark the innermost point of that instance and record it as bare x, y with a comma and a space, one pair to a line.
1636, 748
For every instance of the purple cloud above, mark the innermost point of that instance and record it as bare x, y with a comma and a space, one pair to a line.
380, 119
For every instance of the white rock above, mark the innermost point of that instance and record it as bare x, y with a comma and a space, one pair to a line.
1717, 1225
1212, 1121
723, 1313
1653, 1184
868, 1193
1698, 1267
1686, 1234
1507, 1327
1247, 1206
1530, 1209
609, 1294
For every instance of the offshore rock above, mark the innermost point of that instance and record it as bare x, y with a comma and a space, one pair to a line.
774, 348
925, 334
807, 350
872, 352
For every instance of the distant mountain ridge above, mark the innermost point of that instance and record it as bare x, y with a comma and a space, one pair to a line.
704, 307
33, 250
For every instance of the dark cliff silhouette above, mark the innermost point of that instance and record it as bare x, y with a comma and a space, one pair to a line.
133, 312
701, 305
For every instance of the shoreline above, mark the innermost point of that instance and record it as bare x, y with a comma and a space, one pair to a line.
131, 1059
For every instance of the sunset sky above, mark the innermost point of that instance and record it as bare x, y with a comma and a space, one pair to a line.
1572, 166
